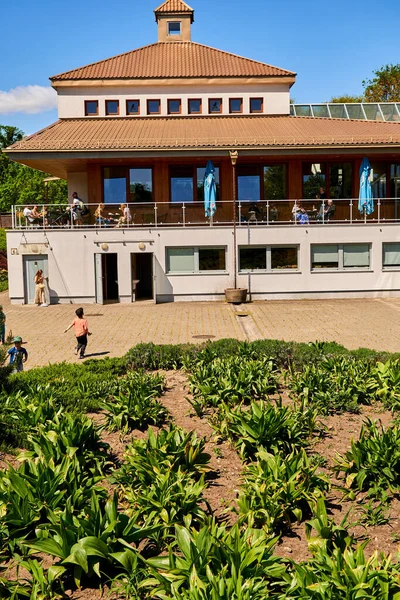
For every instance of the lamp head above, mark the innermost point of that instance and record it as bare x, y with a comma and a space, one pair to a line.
234, 156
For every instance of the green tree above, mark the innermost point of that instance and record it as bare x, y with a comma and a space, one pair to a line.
385, 86
23, 185
346, 98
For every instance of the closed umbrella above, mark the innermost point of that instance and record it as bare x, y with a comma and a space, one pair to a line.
210, 190
366, 201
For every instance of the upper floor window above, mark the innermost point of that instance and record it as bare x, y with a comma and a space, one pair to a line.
112, 107
256, 105
236, 105
174, 107
215, 105
153, 107
174, 28
132, 107
194, 106
91, 107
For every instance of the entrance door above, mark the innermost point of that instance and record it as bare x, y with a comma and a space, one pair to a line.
106, 278
142, 276
31, 266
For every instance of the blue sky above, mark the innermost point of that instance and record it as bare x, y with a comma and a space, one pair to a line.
332, 45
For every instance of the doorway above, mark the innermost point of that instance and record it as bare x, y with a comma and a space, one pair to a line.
31, 266
106, 273
142, 276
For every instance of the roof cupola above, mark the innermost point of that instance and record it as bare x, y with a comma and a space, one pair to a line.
174, 18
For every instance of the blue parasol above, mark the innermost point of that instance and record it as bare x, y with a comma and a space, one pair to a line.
366, 201
210, 190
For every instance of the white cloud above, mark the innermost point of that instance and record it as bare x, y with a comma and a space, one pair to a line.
28, 99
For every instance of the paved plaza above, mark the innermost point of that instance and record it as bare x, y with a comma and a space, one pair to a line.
371, 323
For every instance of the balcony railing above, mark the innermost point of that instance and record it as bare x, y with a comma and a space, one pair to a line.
166, 214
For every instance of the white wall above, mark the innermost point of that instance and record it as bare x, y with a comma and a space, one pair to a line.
78, 182
71, 101
71, 262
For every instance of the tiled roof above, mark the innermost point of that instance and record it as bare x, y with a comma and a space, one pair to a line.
173, 60
174, 7
209, 132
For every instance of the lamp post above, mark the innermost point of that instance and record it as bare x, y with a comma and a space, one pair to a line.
234, 157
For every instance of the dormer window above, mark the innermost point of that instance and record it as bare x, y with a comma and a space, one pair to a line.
174, 28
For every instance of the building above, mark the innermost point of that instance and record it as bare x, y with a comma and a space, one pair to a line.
138, 129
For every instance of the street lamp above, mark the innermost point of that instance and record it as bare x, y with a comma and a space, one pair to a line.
234, 154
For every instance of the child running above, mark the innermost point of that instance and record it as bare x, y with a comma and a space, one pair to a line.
81, 328
18, 355
2, 325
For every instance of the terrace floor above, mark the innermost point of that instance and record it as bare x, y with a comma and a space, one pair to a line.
371, 323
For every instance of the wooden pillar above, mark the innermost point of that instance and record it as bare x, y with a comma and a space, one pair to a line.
95, 187
161, 191
226, 182
295, 180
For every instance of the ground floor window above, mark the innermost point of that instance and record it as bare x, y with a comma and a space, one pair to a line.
196, 259
340, 256
391, 255
268, 258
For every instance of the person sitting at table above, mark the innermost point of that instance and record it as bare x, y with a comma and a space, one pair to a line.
31, 214
326, 211
125, 217
299, 214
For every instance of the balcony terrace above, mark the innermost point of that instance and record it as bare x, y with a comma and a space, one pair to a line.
178, 215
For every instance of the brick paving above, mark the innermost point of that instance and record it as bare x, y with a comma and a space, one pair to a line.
116, 327
371, 323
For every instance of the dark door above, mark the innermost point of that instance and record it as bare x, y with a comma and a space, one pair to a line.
110, 277
142, 276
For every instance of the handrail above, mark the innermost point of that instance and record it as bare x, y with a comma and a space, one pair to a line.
185, 214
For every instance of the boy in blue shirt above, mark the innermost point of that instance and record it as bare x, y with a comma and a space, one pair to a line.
18, 355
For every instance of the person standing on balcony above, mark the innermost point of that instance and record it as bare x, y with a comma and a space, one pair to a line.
76, 209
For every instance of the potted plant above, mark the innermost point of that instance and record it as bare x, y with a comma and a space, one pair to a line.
236, 295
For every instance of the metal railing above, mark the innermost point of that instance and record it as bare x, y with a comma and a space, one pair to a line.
189, 214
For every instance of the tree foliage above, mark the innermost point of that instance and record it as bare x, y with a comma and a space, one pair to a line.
23, 185
346, 99
385, 86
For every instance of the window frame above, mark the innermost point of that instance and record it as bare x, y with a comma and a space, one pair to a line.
389, 267
194, 168
235, 112
111, 114
256, 112
196, 262
215, 112
148, 106
87, 114
195, 112
127, 180
131, 114
268, 262
180, 106
174, 34
341, 251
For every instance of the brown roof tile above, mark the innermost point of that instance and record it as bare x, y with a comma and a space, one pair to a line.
180, 133
178, 60
174, 7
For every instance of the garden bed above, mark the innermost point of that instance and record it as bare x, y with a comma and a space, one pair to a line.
229, 450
